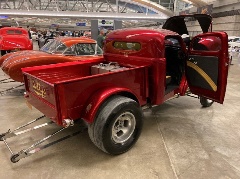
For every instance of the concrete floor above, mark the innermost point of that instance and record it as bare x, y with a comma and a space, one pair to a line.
179, 140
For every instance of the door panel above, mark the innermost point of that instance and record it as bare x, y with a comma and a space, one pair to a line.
203, 71
207, 65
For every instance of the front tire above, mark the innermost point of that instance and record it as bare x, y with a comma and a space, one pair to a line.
3, 52
117, 125
206, 102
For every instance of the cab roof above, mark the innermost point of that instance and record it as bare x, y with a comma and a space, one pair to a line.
139, 34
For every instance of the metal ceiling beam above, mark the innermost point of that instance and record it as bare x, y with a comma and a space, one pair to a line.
99, 7
197, 3
110, 6
85, 15
58, 5
153, 6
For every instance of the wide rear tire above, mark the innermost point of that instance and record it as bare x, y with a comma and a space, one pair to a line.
117, 125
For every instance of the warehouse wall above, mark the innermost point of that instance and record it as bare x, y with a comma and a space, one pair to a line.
229, 24
226, 17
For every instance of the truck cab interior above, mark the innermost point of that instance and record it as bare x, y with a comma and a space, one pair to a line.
173, 53
174, 63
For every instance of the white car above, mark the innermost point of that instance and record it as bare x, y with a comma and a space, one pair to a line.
233, 38
233, 45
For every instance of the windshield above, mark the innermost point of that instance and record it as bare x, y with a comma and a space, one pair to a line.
54, 46
84, 49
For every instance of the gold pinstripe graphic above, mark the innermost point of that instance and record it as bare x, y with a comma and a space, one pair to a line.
203, 74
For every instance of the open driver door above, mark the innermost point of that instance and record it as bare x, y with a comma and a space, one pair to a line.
207, 65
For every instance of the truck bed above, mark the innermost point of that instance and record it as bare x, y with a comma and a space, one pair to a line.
61, 91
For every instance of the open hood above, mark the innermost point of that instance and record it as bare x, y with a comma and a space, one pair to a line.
178, 23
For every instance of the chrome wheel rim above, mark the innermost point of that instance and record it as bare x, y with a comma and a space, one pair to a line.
123, 127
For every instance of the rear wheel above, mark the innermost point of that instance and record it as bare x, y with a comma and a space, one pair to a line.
206, 102
117, 125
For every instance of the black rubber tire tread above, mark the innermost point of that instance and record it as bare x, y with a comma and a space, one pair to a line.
204, 102
99, 131
3, 52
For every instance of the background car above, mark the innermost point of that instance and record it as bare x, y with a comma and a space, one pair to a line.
59, 50
14, 39
233, 38
233, 43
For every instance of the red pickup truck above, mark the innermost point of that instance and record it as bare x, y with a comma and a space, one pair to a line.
140, 68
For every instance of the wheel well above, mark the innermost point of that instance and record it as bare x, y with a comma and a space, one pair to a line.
92, 111
128, 95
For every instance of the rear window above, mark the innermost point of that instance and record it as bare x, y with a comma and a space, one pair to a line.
135, 46
172, 42
17, 32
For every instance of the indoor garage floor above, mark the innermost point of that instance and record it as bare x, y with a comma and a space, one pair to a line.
180, 139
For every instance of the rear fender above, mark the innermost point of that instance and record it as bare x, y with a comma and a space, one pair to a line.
95, 101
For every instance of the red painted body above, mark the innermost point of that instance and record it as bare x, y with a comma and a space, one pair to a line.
15, 38
70, 91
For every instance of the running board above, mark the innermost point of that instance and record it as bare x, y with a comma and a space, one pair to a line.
34, 148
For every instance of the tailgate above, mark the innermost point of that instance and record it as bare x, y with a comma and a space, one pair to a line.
42, 95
